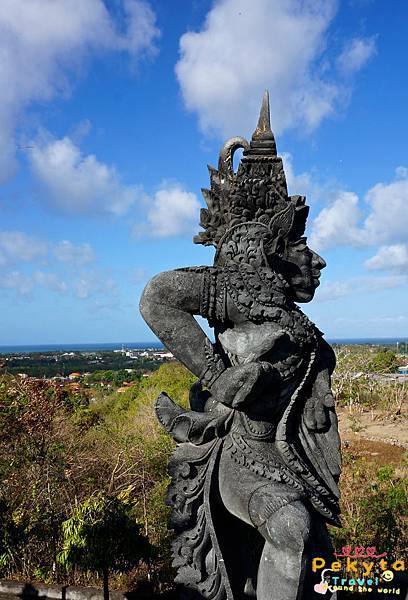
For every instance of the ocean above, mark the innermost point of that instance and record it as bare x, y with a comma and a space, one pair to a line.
78, 347
23, 349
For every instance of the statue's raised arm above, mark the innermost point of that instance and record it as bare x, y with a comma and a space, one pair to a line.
254, 476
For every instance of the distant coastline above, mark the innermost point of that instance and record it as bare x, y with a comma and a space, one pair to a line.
79, 347
11, 349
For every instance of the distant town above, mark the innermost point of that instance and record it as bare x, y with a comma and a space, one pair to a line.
82, 365
78, 364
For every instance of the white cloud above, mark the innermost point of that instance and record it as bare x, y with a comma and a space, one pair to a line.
342, 223
172, 211
337, 224
308, 183
245, 47
68, 252
388, 218
76, 183
401, 172
23, 285
141, 29
393, 257
93, 283
356, 54
16, 246
43, 42
332, 290
297, 184
83, 288
50, 281
17, 282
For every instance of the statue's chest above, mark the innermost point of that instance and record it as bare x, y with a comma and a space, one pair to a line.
270, 342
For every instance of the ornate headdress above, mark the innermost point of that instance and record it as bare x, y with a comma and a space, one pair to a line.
252, 203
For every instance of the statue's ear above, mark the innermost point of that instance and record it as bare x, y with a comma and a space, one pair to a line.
275, 246
281, 224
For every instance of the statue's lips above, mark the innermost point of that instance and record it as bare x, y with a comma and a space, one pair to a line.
316, 277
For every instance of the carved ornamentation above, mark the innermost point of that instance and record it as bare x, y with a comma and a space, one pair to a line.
254, 476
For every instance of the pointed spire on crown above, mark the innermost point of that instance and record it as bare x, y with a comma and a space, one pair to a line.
263, 140
263, 130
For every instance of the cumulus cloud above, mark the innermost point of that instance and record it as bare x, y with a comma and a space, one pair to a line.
17, 282
50, 281
388, 217
22, 285
356, 54
308, 183
171, 211
336, 224
16, 246
19, 247
386, 221
141, 31
91, 284
43, 42
80, 282
76, 183
393, 257
332, 290
69, 253
301, 183
94, 282
244, 47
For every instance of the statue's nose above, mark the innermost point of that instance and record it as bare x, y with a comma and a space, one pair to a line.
318, 262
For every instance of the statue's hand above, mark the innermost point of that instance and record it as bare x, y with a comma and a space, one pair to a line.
240, 384
317, 417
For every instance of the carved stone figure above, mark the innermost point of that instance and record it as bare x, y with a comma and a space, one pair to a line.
255, 472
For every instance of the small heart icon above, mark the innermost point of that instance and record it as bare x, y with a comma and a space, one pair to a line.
321, 588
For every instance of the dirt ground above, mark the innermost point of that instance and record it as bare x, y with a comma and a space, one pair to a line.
389, 434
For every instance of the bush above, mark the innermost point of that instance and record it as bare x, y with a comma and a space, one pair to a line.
59, 456
374, 507
102, 536
384, 361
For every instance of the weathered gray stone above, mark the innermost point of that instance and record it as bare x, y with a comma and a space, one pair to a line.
255, 472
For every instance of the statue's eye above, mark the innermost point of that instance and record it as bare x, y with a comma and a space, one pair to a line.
300, 244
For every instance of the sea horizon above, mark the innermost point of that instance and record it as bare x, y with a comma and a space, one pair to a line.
110, 346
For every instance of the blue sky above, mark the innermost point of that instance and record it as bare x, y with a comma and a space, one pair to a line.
110, 112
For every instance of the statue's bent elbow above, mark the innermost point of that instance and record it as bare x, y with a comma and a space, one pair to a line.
154, 296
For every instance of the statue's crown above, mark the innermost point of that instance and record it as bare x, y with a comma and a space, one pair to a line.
256, 194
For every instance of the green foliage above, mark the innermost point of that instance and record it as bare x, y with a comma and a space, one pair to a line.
80, 459
12, 537
35, 448
384, 361
52, 364
84, 418
374, 508
102, 535
360, 380
116, 378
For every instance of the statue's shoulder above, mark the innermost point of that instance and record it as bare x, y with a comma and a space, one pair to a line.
327, 354
197, 269
212, 292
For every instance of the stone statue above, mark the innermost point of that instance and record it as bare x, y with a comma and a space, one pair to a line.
254, 477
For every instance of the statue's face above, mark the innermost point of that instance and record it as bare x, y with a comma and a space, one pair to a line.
302, 270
